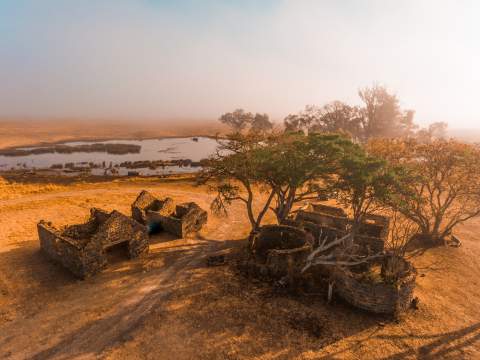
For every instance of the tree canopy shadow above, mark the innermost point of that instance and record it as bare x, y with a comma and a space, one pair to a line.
440, 346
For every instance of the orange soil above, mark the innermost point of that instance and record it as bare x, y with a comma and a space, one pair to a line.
170, 305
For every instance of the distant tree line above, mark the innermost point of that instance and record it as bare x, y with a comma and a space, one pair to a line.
379, 116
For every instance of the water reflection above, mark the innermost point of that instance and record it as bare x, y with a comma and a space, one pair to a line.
101, 163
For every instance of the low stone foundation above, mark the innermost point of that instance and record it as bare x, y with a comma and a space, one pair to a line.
81, 248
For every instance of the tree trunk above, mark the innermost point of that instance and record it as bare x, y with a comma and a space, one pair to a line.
284, 205
430, 238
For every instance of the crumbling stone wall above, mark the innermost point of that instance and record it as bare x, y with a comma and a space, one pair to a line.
287, 262
81, 261
278, 237
119, 228
82, 257
376, 297
187, 218
370, 244
322, 233
337, 222
164, 207
146, 202
329, 210
382, 223
371, 235
81, 248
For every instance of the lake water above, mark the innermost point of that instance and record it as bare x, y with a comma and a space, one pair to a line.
151, 150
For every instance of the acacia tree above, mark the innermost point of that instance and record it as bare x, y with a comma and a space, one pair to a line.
338, 117
299, 166
261, 123
402, 232
441, 186
436, 130
287, 167
364, 183
334, 117
239, 120
381, 115
302, 121
237, 170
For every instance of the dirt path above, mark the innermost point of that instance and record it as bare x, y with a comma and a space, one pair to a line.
114, 326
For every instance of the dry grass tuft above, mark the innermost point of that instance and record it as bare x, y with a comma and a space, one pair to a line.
13, 190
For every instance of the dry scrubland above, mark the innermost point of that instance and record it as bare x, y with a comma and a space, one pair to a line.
20, 133
170, 305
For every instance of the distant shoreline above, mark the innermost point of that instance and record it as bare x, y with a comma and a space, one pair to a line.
103, 139
36, 133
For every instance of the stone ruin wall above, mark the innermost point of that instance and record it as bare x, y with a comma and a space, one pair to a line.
187, 218
372, 233
329, 210
81, 248
81, 261
170, 224
146, 202
278, 237
179, 220
380, 298
287, 258
119, 228
286, 262
193, 217
337, 222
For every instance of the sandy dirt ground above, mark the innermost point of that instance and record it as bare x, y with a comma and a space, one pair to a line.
171, 305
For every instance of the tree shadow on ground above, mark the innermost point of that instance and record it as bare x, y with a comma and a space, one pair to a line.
171, 302
439, 346
221, 314
125, 291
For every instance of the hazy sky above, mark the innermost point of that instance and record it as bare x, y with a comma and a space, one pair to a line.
197, 59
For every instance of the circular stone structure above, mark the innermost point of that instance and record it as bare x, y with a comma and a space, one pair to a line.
278, 237
378, 297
